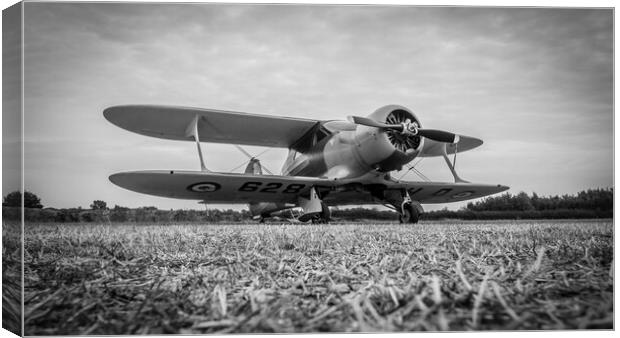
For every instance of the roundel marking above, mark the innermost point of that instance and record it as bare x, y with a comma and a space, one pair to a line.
463, 194
204, 187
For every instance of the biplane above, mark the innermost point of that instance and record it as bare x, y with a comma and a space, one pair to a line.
329, 163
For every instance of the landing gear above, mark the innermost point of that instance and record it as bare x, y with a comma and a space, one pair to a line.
409, 214
314, 209
323, 217
410, 210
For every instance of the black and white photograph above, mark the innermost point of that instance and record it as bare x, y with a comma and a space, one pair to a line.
292, 168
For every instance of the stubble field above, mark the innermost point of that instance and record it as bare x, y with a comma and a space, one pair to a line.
153, 279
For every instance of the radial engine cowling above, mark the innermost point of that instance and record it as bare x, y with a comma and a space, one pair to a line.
388, 150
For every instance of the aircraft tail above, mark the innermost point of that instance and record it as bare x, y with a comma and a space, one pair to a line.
261, 209
254, 167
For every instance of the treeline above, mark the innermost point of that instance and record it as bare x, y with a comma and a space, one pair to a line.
592, 199
126, 215
593, 203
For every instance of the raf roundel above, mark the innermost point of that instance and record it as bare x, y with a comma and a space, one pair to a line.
204, 187
463, 194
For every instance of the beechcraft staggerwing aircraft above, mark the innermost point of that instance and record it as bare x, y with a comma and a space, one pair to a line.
329, 162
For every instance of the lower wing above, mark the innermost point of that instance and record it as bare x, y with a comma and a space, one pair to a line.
423, 192
247, 188
218, 187
445, 192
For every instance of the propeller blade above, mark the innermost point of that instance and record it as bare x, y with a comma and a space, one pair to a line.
433, 134
372, 123
439, 135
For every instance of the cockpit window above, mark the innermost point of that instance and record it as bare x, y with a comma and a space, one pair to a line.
311, 138
321, 133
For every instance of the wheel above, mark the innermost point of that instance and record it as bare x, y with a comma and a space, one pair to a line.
409, 215
415, 216
323, 217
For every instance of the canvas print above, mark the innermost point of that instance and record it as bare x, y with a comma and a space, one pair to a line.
226, 168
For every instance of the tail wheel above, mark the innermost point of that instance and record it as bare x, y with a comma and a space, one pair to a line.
410, 214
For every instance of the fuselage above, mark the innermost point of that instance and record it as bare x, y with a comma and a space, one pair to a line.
335, 153
332, 151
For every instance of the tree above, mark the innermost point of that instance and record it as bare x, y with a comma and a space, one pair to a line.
522, 202
99, 205
14, 199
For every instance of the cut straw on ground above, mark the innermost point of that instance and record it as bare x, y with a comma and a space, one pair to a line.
249, 278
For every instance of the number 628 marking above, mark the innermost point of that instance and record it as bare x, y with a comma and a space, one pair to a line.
271, 187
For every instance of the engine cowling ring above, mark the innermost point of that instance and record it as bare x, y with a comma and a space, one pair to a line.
387, 150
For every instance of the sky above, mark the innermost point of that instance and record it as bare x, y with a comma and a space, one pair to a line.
536, 84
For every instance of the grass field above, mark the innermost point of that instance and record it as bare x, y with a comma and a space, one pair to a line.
140, 279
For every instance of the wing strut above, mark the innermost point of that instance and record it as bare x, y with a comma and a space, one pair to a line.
444, 153
192, 130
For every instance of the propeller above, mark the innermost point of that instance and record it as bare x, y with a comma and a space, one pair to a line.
408, 127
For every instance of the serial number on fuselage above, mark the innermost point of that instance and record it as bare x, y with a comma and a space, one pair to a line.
269, 188
274, 187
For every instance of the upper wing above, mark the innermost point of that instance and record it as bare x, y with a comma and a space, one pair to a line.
218, 187
213, 125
